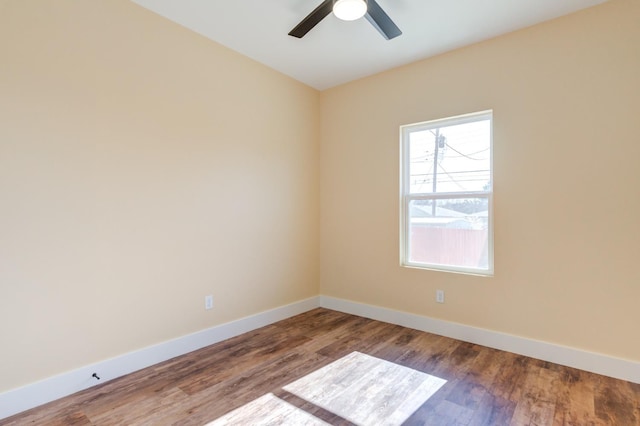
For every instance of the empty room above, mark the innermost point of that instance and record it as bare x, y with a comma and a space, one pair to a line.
308, 212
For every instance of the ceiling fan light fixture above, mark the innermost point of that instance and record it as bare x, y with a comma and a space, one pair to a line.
349, 10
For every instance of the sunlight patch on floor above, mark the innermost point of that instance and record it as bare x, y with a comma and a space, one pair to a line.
366, 390
360, 388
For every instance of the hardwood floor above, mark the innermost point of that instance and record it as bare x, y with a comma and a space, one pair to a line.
475, 385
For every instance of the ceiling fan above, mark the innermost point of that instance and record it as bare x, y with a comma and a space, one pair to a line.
349, 10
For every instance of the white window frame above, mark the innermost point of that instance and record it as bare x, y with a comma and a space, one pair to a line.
406, 197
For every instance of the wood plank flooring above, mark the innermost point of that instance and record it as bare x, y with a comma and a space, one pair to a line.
483, 386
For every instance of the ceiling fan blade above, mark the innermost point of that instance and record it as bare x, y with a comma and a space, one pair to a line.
381, 21
312, 19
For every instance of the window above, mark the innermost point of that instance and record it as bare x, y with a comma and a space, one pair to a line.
446, 202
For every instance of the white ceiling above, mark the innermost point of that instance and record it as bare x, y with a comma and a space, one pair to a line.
335, 52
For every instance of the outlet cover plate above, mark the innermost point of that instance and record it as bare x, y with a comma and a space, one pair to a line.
208, 302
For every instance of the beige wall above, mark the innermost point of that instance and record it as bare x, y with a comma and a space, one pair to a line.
141, 168
566, 102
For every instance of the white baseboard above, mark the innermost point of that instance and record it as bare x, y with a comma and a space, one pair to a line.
33, 395
558, 354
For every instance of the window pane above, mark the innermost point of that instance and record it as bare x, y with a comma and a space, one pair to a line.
455, 158
449, 232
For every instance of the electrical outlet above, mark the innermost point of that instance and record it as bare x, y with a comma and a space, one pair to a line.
440, 296
208, 302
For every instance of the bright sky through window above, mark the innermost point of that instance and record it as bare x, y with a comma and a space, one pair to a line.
463, 163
